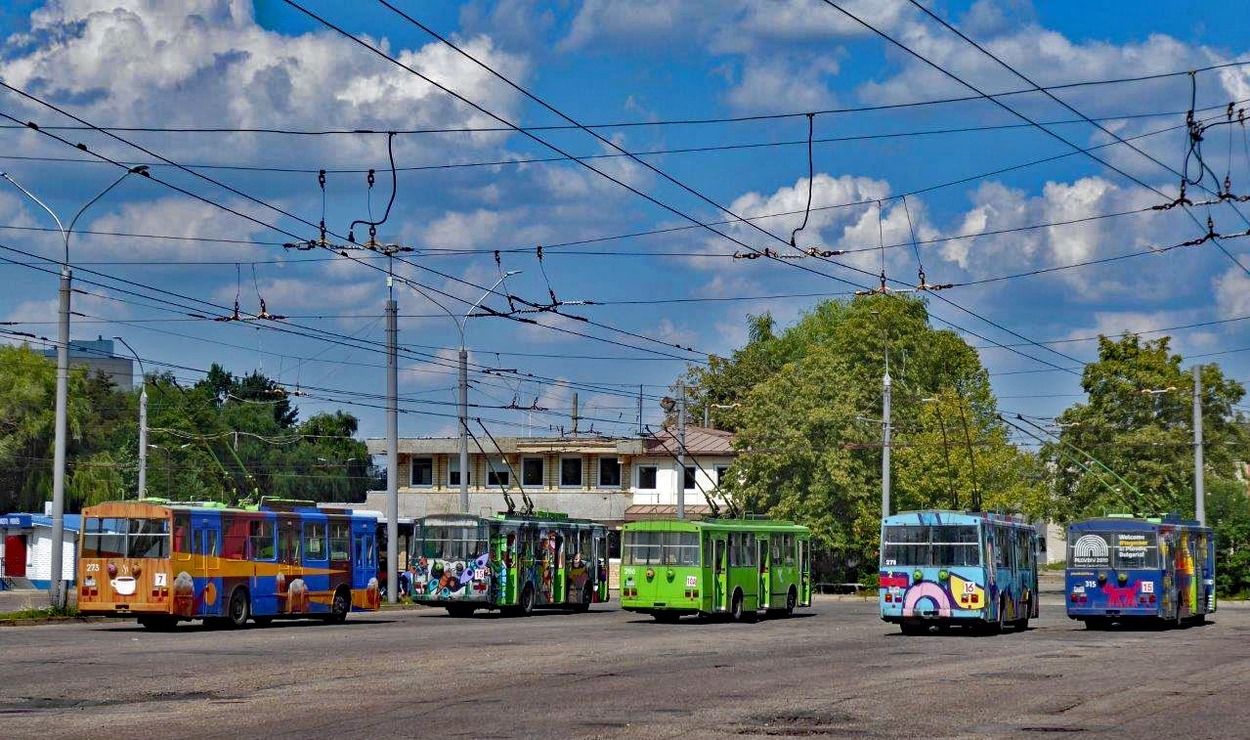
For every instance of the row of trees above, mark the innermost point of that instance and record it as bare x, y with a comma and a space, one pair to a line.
222, 439
806, 404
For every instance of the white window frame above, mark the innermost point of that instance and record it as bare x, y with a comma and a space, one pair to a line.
453, 466
693, 470
616, 460
638, 477
412, 469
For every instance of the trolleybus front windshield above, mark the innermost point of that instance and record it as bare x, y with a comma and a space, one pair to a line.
1110, 549
922, 544
122, 538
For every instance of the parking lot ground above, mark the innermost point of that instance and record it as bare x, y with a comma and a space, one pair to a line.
832, 670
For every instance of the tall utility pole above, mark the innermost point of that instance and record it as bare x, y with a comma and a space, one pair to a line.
1200, 504
56, 586
392, 442
885, 446
681, 450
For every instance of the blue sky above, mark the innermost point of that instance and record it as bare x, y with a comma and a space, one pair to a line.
1008, 229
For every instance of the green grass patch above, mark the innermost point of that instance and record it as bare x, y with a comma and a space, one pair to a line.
30, 612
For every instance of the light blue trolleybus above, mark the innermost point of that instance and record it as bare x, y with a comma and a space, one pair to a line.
1127, 569
947, 568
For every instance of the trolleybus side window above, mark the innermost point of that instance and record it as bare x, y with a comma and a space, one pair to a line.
315, 540
340, 541
235, 537
182, 535
260, 535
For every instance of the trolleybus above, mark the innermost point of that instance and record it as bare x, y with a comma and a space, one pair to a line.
163, 562
733, 567
512, 562
949, 568
1125, 569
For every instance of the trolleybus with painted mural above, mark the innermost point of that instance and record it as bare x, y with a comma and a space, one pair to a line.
1126, 569
509, 561
738, 568
952, 568
165, 562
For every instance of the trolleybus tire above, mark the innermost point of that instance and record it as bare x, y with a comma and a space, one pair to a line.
792, 600
525, 606
588, 596
1022, 624
340, 605
736, 612
239, 609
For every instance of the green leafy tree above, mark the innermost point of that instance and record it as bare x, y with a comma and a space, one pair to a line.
1138, 422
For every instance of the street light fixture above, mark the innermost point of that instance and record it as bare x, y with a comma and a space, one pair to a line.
56, 584
143, 422
463, 363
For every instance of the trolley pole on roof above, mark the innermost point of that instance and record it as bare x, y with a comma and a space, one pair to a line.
1199, 494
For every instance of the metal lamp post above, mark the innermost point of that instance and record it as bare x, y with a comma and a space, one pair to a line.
463, 373
57, 586
143, 422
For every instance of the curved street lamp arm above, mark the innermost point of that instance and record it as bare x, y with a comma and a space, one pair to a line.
31, 195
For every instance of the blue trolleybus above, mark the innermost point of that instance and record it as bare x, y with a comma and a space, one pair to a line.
944, 568
1125, 569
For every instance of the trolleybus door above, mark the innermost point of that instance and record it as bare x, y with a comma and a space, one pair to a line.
763, 586
718, 574
206, 541
805, 579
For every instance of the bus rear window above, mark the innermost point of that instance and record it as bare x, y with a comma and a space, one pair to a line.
921, 544
1114, 550
660, 548
452, 543
125, 538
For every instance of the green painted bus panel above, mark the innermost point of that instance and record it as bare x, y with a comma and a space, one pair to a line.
699, 566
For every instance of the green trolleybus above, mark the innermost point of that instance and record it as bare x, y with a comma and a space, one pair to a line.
733, 567
512, 562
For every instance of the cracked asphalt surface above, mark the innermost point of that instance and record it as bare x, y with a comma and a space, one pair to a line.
832, 670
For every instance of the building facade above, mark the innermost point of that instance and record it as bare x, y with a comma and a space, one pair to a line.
611, 480
97, 356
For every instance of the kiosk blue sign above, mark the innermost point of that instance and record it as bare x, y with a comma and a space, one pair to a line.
15, 521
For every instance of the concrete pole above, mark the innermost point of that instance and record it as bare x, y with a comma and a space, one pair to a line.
143, 439
464, 430
392, 449
885, 447
1200, 505
56, 584
681, 451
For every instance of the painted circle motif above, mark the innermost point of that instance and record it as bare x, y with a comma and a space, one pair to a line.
210, 594
1090, 549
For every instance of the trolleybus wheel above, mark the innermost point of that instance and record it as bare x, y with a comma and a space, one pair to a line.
1022, 624
735, 606
240, 609
340, 606
588, 595
526, 606
792, 600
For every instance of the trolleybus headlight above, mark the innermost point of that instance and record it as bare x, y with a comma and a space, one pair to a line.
917, 576
650, 573
943, 575
1122, 578
1102, 577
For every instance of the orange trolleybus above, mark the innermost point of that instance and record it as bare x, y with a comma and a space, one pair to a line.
163, 562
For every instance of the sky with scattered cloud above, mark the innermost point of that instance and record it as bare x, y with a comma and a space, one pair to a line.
1045, 222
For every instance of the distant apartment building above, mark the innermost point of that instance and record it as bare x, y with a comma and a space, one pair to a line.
611, 480
97, 355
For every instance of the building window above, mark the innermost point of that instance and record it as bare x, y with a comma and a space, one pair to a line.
721, 472
532, 471
689, 478
422, 471
609, 472
453, 471
570, 471
646, 477
497, 473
